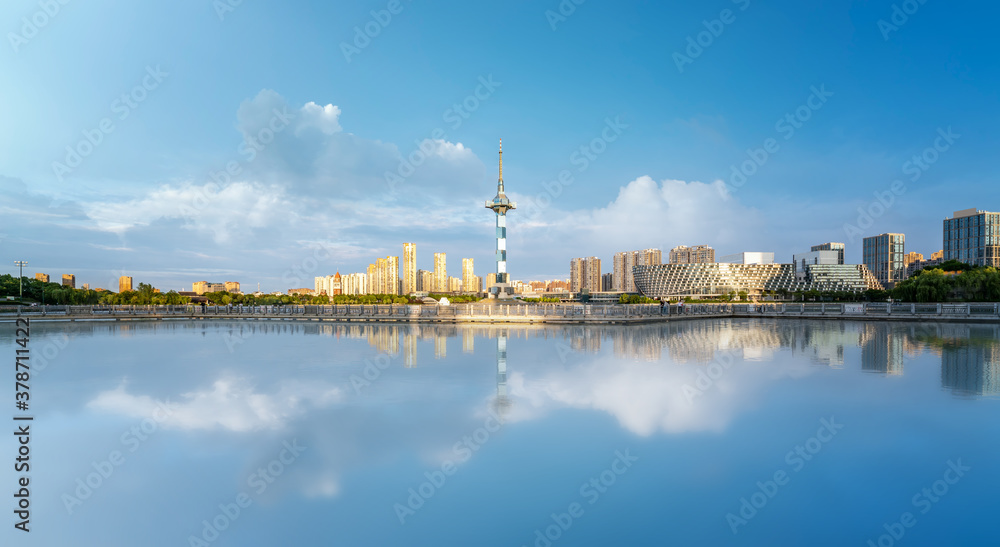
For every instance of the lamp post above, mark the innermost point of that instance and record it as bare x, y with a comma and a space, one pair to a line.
20, 278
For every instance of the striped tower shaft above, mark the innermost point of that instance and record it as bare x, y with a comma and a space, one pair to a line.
501, 247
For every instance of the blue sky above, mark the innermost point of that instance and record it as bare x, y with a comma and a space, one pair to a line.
315, 200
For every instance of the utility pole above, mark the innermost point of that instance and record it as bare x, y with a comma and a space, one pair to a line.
20, 278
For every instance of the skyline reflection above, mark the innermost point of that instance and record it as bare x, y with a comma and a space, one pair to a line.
568, 396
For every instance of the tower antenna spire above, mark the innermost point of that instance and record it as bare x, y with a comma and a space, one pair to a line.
500, 181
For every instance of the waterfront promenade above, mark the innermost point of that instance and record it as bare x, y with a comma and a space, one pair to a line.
514, 313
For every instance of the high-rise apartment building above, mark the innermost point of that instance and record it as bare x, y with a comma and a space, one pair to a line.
469, 279
392, 283
884, 256
454, 284
440, 272
409, 273
232, 286
607, 282
383, 276
425, 281
69, 280
44, 278
839, 247
939, 255
585, 274
124, 283
699, 254
973, 236
355, 283
625, 262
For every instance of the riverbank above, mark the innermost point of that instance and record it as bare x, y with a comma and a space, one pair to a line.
517, 313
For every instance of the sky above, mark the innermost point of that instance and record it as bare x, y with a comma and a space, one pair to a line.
272, 142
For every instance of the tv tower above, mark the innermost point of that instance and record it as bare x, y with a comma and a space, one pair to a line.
500, 205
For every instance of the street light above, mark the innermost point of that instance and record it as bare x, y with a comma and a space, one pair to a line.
20, 278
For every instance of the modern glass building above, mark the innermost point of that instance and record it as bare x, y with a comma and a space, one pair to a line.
751, 257
973, 236
710, 280
884, 255
839, 247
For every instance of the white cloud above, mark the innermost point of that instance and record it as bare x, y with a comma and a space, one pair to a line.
647, 397
325, 118
644, 214
221, 212
230, 404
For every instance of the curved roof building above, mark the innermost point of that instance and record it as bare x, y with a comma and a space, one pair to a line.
710, 280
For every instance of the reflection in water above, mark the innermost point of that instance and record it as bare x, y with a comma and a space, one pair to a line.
502, 404
440, 345
468, 342
970, 353
970, 358
410, 346
881, 349
235, 403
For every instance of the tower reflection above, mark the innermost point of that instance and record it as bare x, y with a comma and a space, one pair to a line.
502, 403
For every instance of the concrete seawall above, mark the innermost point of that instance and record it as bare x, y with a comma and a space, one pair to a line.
519, 314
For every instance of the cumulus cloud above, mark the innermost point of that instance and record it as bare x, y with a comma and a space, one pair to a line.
324, 118
645, 213
648, 397
220, 211
307, 149
230, 404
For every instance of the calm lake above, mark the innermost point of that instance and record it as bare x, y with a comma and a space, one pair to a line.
702, 432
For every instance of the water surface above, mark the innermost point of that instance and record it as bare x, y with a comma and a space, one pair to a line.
340, 434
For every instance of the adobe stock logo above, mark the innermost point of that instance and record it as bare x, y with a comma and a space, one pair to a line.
915, 167
787, 126
900, 16
363, 36
123, 106
697, 44
31, 26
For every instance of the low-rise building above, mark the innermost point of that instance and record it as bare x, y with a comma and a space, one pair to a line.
748, 257
713, 280
839, 247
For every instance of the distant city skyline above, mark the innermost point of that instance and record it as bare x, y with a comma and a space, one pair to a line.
257, 170
969, 233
